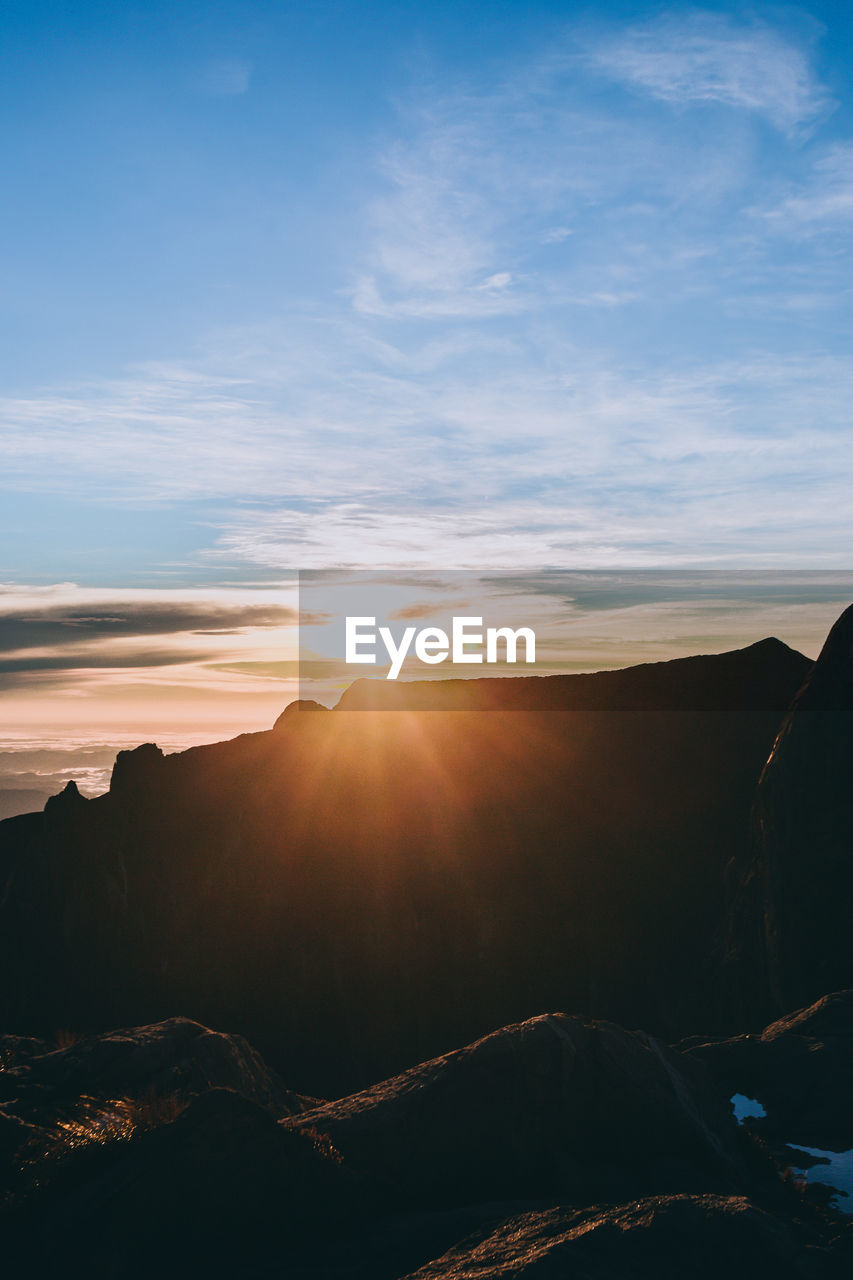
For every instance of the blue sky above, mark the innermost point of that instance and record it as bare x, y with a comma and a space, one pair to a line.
442, 285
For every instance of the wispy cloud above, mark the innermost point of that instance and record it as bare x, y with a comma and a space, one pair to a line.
559, 343
224, 77
435, 234
65, 630
474, 452
686, 56
75, 625
669, 470
823, 199
540, 189
477, 187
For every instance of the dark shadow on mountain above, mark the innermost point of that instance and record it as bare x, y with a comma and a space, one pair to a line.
793, 908
361, 889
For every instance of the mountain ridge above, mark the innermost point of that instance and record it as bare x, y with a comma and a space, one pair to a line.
422, 878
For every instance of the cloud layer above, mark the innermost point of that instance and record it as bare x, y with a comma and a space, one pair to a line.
62, 631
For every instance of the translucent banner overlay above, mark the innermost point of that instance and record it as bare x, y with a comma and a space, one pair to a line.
382, 639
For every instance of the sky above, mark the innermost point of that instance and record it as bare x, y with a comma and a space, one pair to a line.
397, 286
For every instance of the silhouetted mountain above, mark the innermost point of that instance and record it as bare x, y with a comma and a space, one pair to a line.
358, 890
362, 889
741, 680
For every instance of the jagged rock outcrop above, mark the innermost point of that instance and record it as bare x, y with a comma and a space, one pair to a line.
803, 875
16, 1050
221, 1190
661, 1237
67, 800
137, 771
297, 708
799, 1068
65, 813
176, 1057
552, 1105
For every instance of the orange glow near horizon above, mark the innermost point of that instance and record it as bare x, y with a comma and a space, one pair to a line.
211, 663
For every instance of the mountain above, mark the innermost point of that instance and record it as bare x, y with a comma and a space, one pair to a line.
360, 889
742, 680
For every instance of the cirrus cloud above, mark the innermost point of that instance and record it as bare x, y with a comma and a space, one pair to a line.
686, 56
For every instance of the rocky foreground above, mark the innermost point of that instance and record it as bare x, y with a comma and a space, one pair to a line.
558, 1146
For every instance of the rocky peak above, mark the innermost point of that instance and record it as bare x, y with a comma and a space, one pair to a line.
135, 770
294, 709
66, 801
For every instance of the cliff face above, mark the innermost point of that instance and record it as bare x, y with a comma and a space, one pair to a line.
803, 873
358, 890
